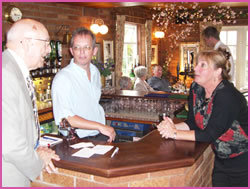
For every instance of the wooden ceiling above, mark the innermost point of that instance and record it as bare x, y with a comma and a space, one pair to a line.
151, 4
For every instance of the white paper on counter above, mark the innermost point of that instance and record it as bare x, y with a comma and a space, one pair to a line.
49, 140
82, 145
85, 153
101, 149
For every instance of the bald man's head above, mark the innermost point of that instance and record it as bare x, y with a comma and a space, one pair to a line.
25, 28
29, 39
157, 71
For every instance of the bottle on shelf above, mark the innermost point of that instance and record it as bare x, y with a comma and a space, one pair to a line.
42, 77
59, 51
53, 50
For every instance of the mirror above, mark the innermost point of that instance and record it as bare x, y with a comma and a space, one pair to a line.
188, 53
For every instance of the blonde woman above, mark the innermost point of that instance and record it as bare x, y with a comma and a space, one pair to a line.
218, 114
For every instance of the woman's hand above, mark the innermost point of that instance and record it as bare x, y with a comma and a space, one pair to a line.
167, 128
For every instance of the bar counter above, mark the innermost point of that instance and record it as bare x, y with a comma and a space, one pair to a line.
151, 161
140, 94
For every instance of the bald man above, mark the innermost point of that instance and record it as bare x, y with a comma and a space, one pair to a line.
22, 157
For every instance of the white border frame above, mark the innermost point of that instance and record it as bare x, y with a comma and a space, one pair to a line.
189, 46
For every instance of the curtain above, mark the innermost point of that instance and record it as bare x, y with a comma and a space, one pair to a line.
119, 42
148, 36
203, 25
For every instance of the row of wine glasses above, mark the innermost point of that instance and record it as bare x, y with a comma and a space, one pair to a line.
140, 106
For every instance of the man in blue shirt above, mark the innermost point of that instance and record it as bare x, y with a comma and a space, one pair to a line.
76, 90
158, 83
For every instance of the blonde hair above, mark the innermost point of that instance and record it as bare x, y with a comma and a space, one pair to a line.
219, 59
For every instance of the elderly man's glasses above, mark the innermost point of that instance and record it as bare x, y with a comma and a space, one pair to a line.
44, 40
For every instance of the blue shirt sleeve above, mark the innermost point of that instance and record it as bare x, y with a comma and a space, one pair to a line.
61, 98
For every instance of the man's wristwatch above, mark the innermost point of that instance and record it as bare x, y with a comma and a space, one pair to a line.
175, 135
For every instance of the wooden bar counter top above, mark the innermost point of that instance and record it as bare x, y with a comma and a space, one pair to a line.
149, 162
151, 153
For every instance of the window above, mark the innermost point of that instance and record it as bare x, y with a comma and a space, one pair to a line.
130, 52
230, 39
236, 37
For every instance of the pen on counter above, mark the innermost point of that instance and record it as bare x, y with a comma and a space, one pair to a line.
49, 138
114, 152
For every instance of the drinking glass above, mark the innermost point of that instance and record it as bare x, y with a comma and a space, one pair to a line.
162, 115
65, 126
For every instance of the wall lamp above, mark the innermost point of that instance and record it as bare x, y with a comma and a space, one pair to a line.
67, 36
98, 26
159, 34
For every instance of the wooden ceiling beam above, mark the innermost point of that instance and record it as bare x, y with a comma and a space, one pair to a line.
150, 4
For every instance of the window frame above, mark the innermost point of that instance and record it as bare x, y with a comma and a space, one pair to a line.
241, 55
138, 42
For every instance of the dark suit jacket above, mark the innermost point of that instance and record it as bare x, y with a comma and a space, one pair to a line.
20, 161
159, 84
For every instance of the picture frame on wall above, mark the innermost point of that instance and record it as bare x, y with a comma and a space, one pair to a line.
108, 50
98, 54
154, 54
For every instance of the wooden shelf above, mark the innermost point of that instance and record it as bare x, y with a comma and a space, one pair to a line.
45, 110
46, 117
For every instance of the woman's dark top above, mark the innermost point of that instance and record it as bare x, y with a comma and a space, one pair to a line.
222, 119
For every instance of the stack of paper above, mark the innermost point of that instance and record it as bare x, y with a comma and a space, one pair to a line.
87, 152
82, 145
102, 149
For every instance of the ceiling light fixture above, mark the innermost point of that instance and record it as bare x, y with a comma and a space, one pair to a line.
159, 34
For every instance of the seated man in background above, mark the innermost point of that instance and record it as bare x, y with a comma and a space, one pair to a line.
125, 83
158, 83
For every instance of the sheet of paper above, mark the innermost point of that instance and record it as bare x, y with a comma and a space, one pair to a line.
85, 153
101, 149
49, 141
82, 145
